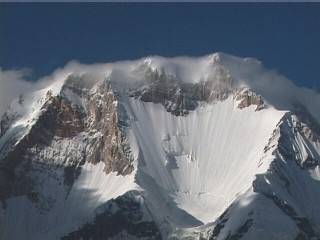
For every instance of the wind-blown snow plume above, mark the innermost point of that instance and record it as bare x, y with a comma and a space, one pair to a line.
12, 84
276, 89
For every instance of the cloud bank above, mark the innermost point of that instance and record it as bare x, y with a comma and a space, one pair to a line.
12, 84
276, 89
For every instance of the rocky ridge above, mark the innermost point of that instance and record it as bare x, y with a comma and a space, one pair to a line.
278, 185
92, 127
179, 98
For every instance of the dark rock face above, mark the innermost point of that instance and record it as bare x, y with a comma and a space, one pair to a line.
123, 218
240, 232
61, 119
307, 124
107, 127
58, 120
63, 138
165, 89
306, 229
237, 234
179, 98
219, 226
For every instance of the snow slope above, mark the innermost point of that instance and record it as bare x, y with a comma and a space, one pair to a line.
25, 220
22, 113
202, 161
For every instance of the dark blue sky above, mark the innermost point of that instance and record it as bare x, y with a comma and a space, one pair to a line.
44, 36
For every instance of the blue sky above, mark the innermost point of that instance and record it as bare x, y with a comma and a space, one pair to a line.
45, 36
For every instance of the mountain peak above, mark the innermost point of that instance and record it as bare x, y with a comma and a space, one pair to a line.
162, 148
225, 71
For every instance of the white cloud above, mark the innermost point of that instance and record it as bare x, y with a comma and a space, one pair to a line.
276, 89
12, 84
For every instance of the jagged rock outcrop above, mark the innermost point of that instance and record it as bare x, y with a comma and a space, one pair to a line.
291, 130
179, 97
66, 135
122, 218
58, 120
166, 89
106, 126
248, 98
306, 124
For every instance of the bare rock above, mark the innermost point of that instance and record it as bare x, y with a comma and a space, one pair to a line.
248, 98
108, 144
63, 138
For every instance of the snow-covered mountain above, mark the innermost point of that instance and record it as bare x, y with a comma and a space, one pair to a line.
215, 147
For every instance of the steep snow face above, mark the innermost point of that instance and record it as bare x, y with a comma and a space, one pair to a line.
22, 114
202, 161
66, 162
64, 210
291, 182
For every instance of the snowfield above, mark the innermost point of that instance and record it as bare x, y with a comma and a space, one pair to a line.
202, 161
24, 220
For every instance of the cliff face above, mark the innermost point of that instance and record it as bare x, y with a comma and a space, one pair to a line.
248, 98
179, 97
106, 127
65, 136
123, 218
286, 191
